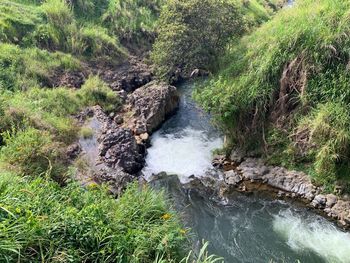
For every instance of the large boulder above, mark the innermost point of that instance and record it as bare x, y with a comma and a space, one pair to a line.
152, 103
118, 148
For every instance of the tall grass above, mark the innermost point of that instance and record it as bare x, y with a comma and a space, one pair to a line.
42, 222
295, 62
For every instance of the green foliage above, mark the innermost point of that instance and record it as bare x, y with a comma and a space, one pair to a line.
50, 109
192, 34
95, 41
328, 133
130, 19
202, 257
17, 22
21, 69
42, 222
29, 152
58, 13
96, 92
283, 69
89, 9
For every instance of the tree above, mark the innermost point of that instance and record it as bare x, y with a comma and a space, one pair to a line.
193, 33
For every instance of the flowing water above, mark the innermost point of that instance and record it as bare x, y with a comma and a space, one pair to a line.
251, 228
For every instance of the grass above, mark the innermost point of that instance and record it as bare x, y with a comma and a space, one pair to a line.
290, 69
42, 222
45, 216
37, 125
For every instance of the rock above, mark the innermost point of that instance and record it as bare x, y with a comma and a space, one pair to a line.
73, 151
144, 136
319, 201
119, 148
140, 128
232, 178
237, 156
118, 119
218, 161
331, 200
152, 104
116, 179
128, 76
199, 73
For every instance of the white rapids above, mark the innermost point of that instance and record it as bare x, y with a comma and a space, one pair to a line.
320, 237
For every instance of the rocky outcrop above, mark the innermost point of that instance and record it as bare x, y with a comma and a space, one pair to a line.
252, 174
118, 148
116, 179
111, 155
296, 183
128, 76
151, 105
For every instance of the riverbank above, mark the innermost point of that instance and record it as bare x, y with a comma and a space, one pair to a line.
253, 174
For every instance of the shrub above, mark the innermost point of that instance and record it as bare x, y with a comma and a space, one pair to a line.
193, 33
41, 221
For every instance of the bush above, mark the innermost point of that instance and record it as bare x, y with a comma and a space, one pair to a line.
41, 221
193, 33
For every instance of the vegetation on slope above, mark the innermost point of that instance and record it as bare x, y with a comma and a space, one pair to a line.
44, 215
286, 83
193, 34
43, 222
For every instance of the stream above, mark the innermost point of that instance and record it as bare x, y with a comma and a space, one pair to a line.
248, 228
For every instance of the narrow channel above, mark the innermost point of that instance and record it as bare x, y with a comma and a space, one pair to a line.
249, 228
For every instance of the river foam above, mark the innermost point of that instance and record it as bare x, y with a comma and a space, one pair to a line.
318, 236
186, 152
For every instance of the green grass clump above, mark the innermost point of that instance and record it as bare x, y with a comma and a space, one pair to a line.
328, 132
30, 152
292, 64
17, 22
43, 222
96, 92
132, 19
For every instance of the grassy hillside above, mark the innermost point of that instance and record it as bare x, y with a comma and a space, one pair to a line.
44, 215
286, 87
